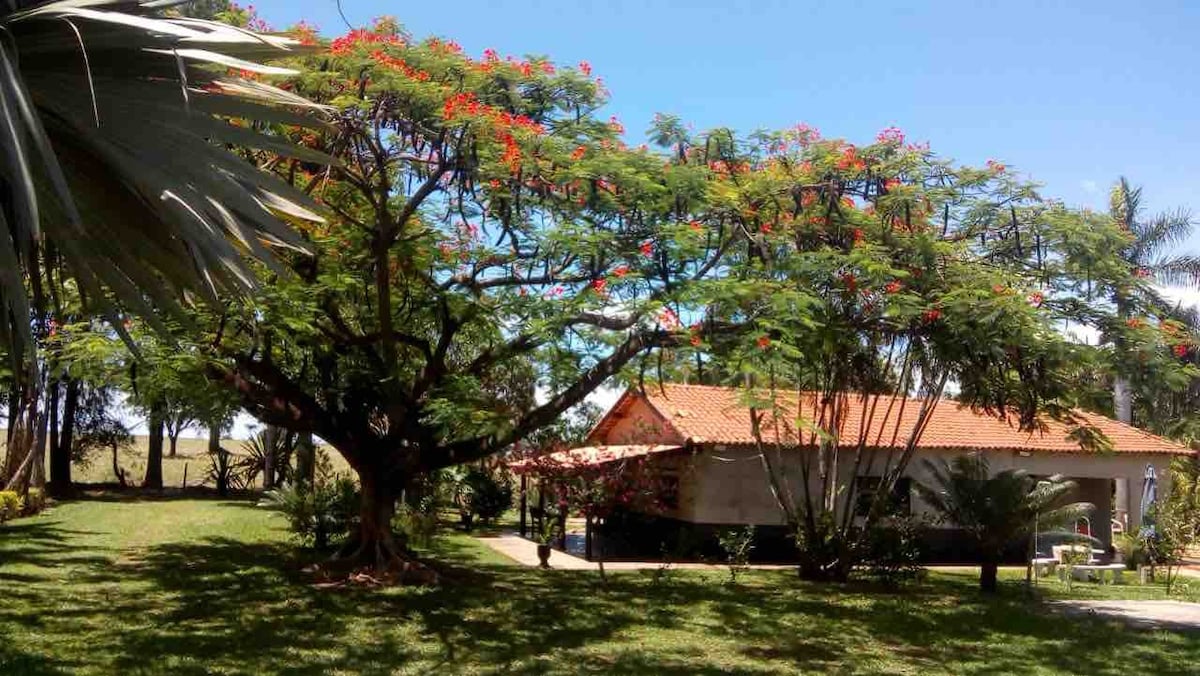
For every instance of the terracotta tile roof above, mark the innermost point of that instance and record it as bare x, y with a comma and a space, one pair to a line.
707, 414
597, 455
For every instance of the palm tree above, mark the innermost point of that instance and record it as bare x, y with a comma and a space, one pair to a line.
116, 124
995, 510
1150, 252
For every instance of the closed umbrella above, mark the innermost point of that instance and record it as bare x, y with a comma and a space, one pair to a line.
1149, 496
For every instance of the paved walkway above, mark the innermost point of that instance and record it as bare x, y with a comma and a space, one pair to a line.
1142, 614
524, 552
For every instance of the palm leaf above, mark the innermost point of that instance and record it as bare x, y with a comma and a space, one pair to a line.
113, 125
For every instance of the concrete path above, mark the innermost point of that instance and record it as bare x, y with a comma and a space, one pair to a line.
524, 552
1141, 614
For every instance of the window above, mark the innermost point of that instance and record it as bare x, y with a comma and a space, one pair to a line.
899, 504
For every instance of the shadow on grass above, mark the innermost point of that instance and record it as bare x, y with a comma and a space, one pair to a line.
229, 605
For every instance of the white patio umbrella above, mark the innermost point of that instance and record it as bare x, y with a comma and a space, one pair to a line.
1149, 496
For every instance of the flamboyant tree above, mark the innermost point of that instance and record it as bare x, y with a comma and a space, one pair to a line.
495, 253
884, 274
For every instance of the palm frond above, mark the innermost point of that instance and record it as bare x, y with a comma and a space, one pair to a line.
1166, 231
1177, 270
112, 121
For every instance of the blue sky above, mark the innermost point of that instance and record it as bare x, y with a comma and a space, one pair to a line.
1071, 95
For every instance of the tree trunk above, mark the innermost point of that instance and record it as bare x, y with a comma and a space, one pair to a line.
270, 438
116, 466
173, 440
987, 576
154, 456
1122, 400
214, 455
305, 459
375, 545
60, 450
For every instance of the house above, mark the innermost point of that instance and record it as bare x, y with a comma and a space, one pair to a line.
702, 437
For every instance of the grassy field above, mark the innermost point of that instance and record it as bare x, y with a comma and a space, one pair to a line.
190, 462
128, 585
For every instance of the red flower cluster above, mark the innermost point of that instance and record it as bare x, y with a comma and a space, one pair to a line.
891, 135
668, 318
585, 68
386, 60
621, 271
893, 286
763, 342
850, 281
1141, 273
578, 153
850, 160
360, 36
995, 167
446, 47
647, 249
1036, 299
600, 286
1133, 323
806, 134
932, 315
615, 125
1180, 350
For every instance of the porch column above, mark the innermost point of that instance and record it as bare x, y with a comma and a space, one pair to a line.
1121, 502
524, 487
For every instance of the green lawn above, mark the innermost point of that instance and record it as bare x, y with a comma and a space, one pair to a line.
199, 586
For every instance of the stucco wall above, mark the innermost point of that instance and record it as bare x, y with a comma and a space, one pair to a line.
640, 425
731, 486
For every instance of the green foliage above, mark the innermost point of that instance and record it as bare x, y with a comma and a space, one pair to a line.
1167, 542
893, 553
481, 492
996, 509
280, 445
11, 505
1131, 548
322, 513
736, 544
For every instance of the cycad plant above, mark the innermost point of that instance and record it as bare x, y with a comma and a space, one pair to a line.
996, 510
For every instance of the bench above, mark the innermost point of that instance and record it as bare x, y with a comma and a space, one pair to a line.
1087, 572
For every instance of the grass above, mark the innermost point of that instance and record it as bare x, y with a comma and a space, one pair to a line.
130, 585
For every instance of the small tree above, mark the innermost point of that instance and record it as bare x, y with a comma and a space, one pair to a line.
599, 485
1167, 542
996, 510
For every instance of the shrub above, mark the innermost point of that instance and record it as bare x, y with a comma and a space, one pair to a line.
11, 505
321, 513
1132, 550
737, 543
35, 501
482, 493
893, 551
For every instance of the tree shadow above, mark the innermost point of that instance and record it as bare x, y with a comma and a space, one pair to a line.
223, 604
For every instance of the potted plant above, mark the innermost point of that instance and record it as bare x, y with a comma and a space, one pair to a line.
545, 536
